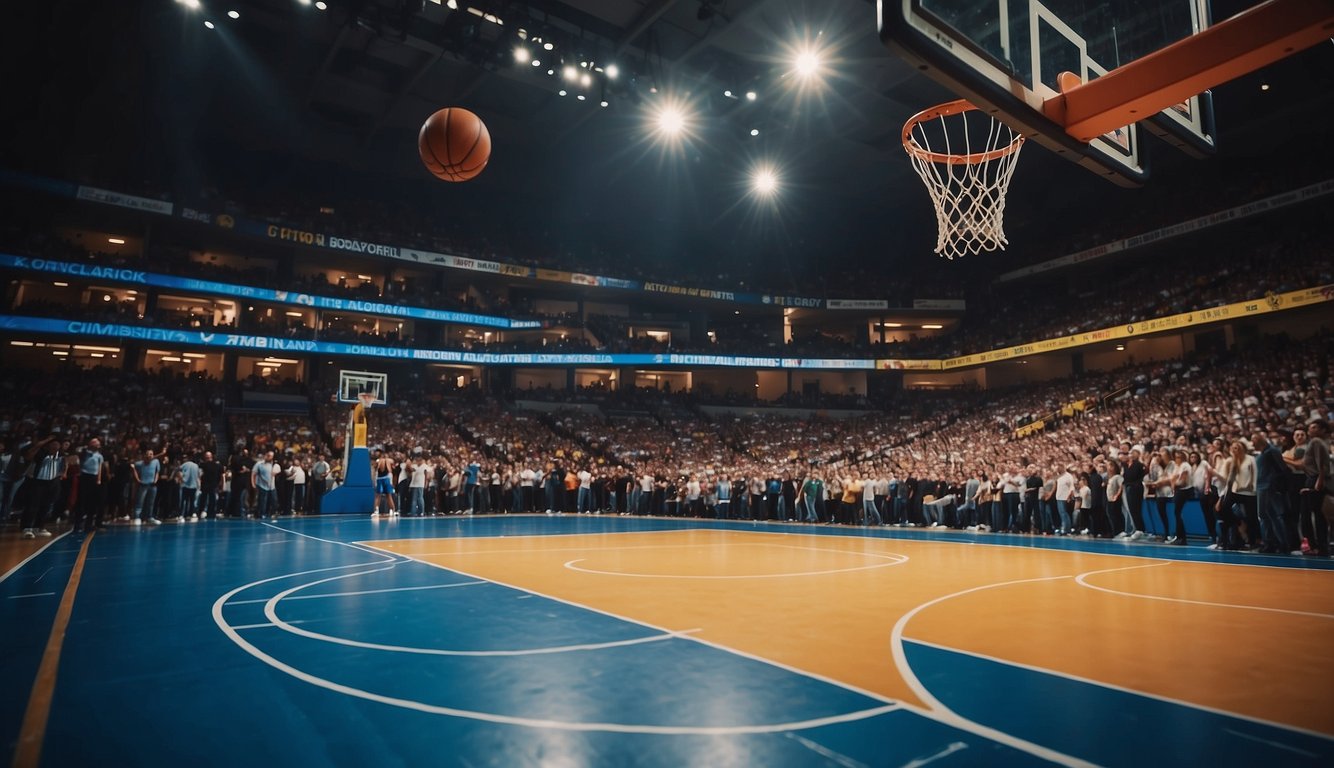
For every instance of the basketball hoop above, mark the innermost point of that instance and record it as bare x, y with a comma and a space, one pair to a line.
967, 188
367, 400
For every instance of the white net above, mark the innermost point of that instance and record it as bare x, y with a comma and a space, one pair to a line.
967, 169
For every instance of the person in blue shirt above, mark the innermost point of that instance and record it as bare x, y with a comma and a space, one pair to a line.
470, 484
146, 473
1271, 497
261, 480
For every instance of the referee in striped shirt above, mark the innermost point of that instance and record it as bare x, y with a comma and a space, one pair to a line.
48, 471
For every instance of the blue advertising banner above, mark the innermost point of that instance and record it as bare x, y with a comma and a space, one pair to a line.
266, 344
137, 277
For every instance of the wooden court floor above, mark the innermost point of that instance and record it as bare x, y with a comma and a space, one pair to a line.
841, 608
590, 641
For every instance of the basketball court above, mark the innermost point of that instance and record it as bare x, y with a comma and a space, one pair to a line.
546, 640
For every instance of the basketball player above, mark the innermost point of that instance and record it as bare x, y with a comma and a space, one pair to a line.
383, 466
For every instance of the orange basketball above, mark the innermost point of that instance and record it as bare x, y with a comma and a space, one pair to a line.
454, 144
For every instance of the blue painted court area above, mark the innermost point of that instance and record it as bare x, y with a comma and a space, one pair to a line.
233, 643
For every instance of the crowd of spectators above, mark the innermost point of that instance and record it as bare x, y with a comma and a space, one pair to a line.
1099, 454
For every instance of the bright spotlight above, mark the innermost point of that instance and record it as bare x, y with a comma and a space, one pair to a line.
191, 4
569, 72
562, 92
671, 121
304, 2
522, 54
603, 103
537, 62
763, 181
548, 45
751, 95
807, 63
208, 24
613, 71
233, 15
586, 80
754, 131
728, 94
581, 97
321, 5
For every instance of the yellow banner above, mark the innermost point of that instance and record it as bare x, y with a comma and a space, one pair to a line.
1264, 305
907, 365
1029, 429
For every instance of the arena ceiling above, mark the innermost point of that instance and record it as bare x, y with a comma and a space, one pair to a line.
287, 93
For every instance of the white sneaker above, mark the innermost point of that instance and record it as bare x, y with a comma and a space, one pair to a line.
1212, 546
1121, 535
1171, 540
123, 518
971, 528
29, 534
42, 533
1296, 552
195, 518
376, 513
1084, 532
1137, 535
154, 521
137, 521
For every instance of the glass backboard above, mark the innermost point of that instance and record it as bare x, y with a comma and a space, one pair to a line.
1005, 56
353, 383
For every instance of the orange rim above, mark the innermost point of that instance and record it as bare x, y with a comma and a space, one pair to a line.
945, 110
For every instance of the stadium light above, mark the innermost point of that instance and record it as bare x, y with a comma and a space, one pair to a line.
191, 4
613, 71
569, 72
586, 80
671, 121
233, 14
751, 96
304, 2
208, 24
754, 131
808, 63
321, 5
764, 181
522, 55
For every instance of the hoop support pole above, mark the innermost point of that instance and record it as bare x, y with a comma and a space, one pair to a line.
1237, 46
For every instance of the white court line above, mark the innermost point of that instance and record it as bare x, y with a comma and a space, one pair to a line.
949, 749
894, 559
826, 752
258, 626
39, 594
901, 660
360, 592
271, 613
1083, 582
27, 559
1123, 689
1269, 743
231, 633
948, 715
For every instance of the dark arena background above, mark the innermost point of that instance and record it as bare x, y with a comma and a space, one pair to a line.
601, 383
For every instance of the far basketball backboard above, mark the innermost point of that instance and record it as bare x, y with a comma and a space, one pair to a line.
1005, 56
351, 384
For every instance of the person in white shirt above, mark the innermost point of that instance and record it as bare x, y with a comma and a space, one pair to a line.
526, 478
1065, 488
585, 498
297, 475
417, 487
646, 482
694, 506
1238, 508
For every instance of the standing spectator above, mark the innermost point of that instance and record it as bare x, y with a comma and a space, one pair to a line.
262, 483
210, 485
48, 471
296, 474
189, 474
1316, 466
417, 487
146, 473
319, 483
1270, 494
93, 469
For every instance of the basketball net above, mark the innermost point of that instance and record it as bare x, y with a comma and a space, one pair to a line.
367, 399
967, 182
